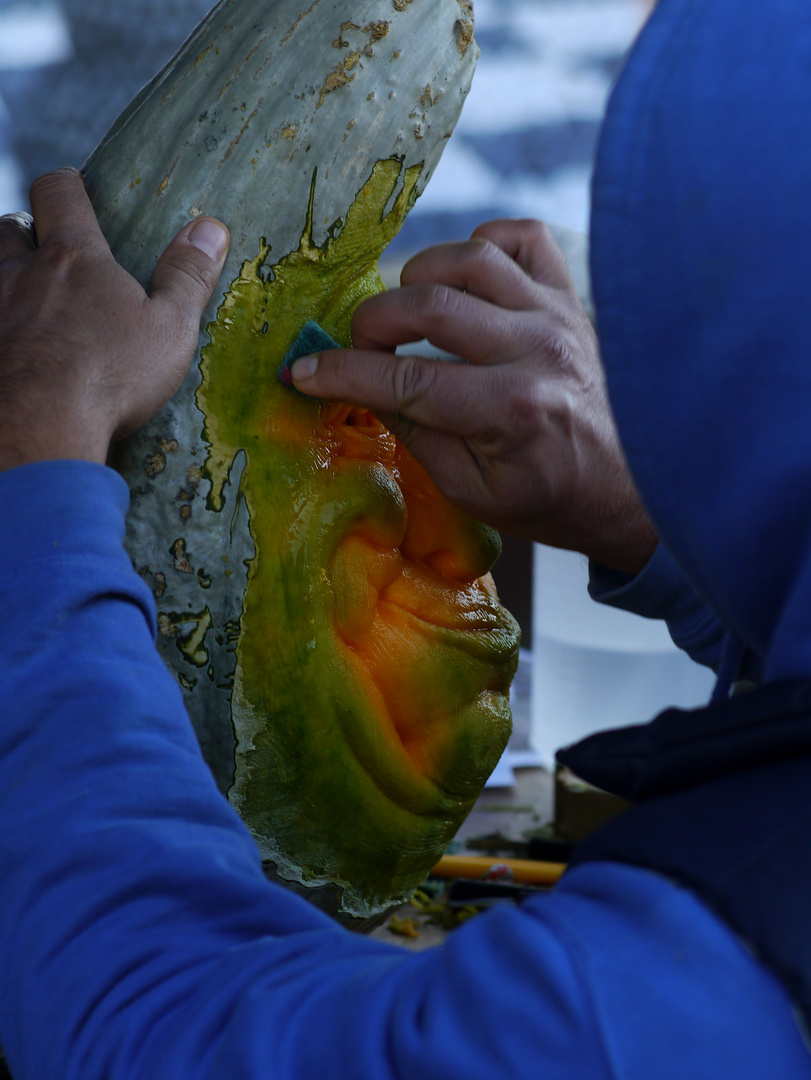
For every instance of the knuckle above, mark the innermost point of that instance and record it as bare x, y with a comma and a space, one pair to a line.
191, 280
482, 247
560, 346
46, 183
525, 408
537, 230
519, 398
480, 255
558, 351
11, 268
195, 272
433, 304
61, 254
67, 250
341, 369
545, 252
413, 379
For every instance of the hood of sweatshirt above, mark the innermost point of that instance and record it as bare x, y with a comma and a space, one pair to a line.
701, 265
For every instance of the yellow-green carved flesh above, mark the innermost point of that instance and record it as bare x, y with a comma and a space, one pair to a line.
373, 660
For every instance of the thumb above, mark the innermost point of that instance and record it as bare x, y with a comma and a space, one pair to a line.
191, 265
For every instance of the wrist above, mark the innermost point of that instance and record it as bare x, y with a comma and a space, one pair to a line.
51, 440
620, 535
629, 558
623, 538
15, 456
611, 529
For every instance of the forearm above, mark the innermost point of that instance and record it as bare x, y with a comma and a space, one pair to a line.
114, 839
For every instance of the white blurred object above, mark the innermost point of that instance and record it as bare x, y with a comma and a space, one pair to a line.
547, 81
11, 187
594, 667
550, 77
33, 35
30, 36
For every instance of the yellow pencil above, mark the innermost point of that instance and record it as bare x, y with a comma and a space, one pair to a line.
529, 871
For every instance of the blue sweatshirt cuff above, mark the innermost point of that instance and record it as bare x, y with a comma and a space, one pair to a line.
61, 506
660, 591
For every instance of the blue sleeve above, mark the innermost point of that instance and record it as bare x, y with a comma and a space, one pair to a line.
140, 939
661, 591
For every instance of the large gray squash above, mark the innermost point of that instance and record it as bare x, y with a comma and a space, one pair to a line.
331, 619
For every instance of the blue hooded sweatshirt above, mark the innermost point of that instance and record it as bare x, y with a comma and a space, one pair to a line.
701, 228
138, 935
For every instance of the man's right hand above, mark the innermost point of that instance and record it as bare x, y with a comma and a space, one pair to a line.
522, 435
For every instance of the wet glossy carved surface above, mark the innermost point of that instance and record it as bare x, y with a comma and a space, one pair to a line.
373, 659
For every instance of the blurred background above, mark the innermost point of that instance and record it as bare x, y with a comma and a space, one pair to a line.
524, 148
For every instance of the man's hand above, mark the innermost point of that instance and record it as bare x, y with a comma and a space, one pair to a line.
522, 435
86, 355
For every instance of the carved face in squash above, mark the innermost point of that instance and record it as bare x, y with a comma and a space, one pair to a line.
374, 659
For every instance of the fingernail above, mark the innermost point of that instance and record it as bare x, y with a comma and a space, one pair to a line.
209, 237
304, 368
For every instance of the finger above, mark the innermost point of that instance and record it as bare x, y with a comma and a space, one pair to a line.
479, 267
448, 460
190, 267
532, 247
451, 398
450, 319
63, 212
17, 235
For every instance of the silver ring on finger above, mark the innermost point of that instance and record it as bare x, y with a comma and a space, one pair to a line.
23, 221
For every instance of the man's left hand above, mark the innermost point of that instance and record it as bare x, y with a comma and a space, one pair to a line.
86, 355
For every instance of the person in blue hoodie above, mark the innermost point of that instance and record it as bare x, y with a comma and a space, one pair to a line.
138, 935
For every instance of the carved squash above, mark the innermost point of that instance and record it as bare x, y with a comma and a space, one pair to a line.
330, 617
